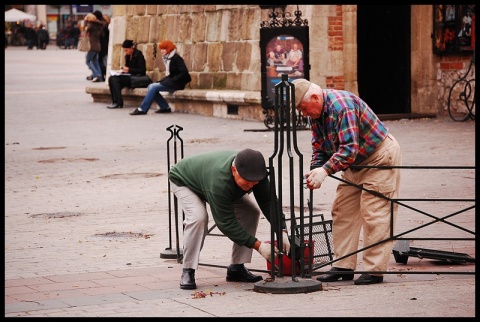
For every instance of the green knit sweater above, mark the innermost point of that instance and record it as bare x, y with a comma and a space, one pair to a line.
210, 176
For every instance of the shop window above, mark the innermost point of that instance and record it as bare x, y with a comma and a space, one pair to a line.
453, 29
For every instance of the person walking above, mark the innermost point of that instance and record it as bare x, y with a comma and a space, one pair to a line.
68, 39
30, 37
94, 31
42, 37
103, 55
134, 65
224, 180
346, 132
176, 78
75, 34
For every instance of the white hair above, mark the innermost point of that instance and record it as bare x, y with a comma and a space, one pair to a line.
312, 89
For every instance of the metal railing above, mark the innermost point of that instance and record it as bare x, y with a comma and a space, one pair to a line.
447, 256
311, 237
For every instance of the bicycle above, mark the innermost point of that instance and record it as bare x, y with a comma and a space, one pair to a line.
461, 98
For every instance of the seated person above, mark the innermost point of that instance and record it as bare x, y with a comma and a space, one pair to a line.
294, 57
278, 55
134, 65
176, 78
271, 58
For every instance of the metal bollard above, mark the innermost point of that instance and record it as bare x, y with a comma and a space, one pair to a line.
170, 253
285, 139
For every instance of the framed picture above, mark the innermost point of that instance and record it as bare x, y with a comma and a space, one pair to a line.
284, 50
453, 29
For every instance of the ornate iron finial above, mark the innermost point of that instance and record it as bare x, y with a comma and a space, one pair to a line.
282, 19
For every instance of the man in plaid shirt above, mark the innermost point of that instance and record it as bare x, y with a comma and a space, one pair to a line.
346, 132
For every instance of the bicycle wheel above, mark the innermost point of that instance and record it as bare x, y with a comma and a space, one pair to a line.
461, 100
269, 120
471, 103
302, 122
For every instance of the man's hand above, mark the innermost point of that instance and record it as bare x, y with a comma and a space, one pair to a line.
266, 250
286, 242
315, 178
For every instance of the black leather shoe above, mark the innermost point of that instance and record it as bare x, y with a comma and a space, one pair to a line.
114, 105
239, 273
187, 282
332, 277
366, 279
138, 112
164, 110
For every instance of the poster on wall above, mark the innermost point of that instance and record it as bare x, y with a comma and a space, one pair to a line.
284, 50
454, 28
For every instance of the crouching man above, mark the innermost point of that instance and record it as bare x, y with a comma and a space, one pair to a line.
224, 180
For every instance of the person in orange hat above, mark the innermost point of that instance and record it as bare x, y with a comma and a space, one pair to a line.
176, 78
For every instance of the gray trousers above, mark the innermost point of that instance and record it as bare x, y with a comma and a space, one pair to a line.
195, 225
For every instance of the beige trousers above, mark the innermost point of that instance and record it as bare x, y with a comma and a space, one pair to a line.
195, 225
354, 209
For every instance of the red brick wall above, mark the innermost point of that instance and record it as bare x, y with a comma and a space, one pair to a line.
335, 42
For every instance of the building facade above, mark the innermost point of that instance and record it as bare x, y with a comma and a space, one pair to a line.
220, 44
383, 53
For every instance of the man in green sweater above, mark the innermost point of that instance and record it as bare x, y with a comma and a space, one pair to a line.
224, 180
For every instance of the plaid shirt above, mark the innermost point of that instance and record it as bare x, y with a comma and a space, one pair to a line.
347, 132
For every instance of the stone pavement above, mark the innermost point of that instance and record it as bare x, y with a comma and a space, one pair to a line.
87, 214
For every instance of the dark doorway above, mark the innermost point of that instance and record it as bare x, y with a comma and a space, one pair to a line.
383, 38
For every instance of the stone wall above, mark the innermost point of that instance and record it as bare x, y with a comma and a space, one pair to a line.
449, 70
218, 57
